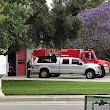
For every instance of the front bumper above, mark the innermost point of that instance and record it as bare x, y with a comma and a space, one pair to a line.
107, 70
98, 72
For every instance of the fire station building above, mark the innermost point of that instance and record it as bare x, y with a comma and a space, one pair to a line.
18, 62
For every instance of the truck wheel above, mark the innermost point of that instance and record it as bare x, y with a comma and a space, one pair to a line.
55, 75
102, 75
44, 73
90, 74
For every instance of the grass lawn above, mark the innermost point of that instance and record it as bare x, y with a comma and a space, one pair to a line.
28, 87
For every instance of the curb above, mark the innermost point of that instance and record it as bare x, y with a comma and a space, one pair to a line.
43, 98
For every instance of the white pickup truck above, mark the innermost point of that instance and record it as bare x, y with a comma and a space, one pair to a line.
46, 67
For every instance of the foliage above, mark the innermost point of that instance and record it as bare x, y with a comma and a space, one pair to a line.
75, 6
65, 21
52, 28
92, 3
2, 19
15, 28
30, 22
95, 32
64, 24
59, 23
40, 24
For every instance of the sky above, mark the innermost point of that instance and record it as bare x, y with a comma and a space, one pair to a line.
49, 2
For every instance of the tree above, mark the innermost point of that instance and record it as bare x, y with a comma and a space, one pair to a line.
52, 28
15, 28
65, 25
2, 19
95, 32
75, 6
65, 21
92, 3
40, 29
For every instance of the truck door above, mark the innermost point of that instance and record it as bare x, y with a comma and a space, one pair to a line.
87, 57
76, 67
64, 66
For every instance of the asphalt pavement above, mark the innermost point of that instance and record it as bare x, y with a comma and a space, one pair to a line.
62, 77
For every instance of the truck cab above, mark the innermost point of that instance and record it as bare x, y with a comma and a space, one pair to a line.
89, 56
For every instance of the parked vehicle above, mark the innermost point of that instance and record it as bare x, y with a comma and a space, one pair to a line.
46, 67
87, 56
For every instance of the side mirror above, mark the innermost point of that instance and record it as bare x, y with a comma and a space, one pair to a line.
80, 63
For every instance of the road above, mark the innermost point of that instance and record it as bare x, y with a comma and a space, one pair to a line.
75, 105
72, 77
62, 77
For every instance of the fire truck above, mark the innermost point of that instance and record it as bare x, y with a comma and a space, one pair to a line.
87, 56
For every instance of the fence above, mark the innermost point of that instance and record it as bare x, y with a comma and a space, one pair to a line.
97, 103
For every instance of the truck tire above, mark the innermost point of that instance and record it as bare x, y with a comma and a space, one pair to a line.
102, 75
90, 74
55, 75
44, 73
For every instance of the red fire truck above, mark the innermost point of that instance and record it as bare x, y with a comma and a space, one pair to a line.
87, 56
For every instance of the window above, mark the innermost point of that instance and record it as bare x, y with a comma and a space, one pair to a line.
39, 60
21, 62
75, 61
81, 55
47, 59
44, 61
89, 55
65, 61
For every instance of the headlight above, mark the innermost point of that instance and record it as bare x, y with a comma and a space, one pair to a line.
106, 65
99, 67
